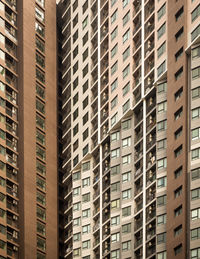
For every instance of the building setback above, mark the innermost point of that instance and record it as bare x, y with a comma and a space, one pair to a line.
28, 178
129, 89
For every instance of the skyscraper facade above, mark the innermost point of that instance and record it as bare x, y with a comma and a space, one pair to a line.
28, 159
129, 85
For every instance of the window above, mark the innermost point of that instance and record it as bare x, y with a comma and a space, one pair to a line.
162, 107
76, 252
178, 94
126, 211
41, 198
196, 13
196, 113
162, 88
162, 182
161, 200
85, 86
126, 18
126, 54
126, 125
126, 194
115, 170
195, 173
161, 69
76, 191
85, 54
126, 89
178, 192
178, 132
196, 73
77, 206
114, 102
195, 194
161, 219
86, 229
196, 52
179, 14
86, 213
115, 187
161, 12
161, 31
86, 197
178, 151
86, 166
114, 33
41, 183
85, 6
178, 249
195, 253
114, 50
77, 237
161, 50
41, 2
40, 76
125, 3
85, 70
195, 153
126, 228
195, 234
75, 130
126, 246
75, 36
115, 153
40, 153
162, 125
196, 93
178, 54
115, 221
76, 176
115, 136
126, 142
161, 238
39, 29
86, 182
114, 16
113, 119
115, 254
85, 118
179, 34
126, 177
41, 244
115, 237
40, 91
114, 68
114, 85
126, 36
115, 204
126, 106
126, 159
162, 144
86, 244
195, 214
85, 38
85, 23
178, 211
126, 71
85, 102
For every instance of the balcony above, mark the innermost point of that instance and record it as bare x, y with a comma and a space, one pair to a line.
10, 16
137, 6
151, 121
11, 3
10, 32
149, 9
149, 27
104, 30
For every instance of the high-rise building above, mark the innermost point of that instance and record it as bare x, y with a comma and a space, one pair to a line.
28, 135
129, 89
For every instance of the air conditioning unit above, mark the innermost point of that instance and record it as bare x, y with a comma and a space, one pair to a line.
150, 154
14, 172
15, 248
151, 101
15, 217
148, 80
150, 137
150, 174
106, 210
106, 178
106, 245
149, 44
14, 202
150, 226
150, 243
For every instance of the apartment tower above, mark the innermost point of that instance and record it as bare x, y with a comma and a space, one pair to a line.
129, 133
28, 141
